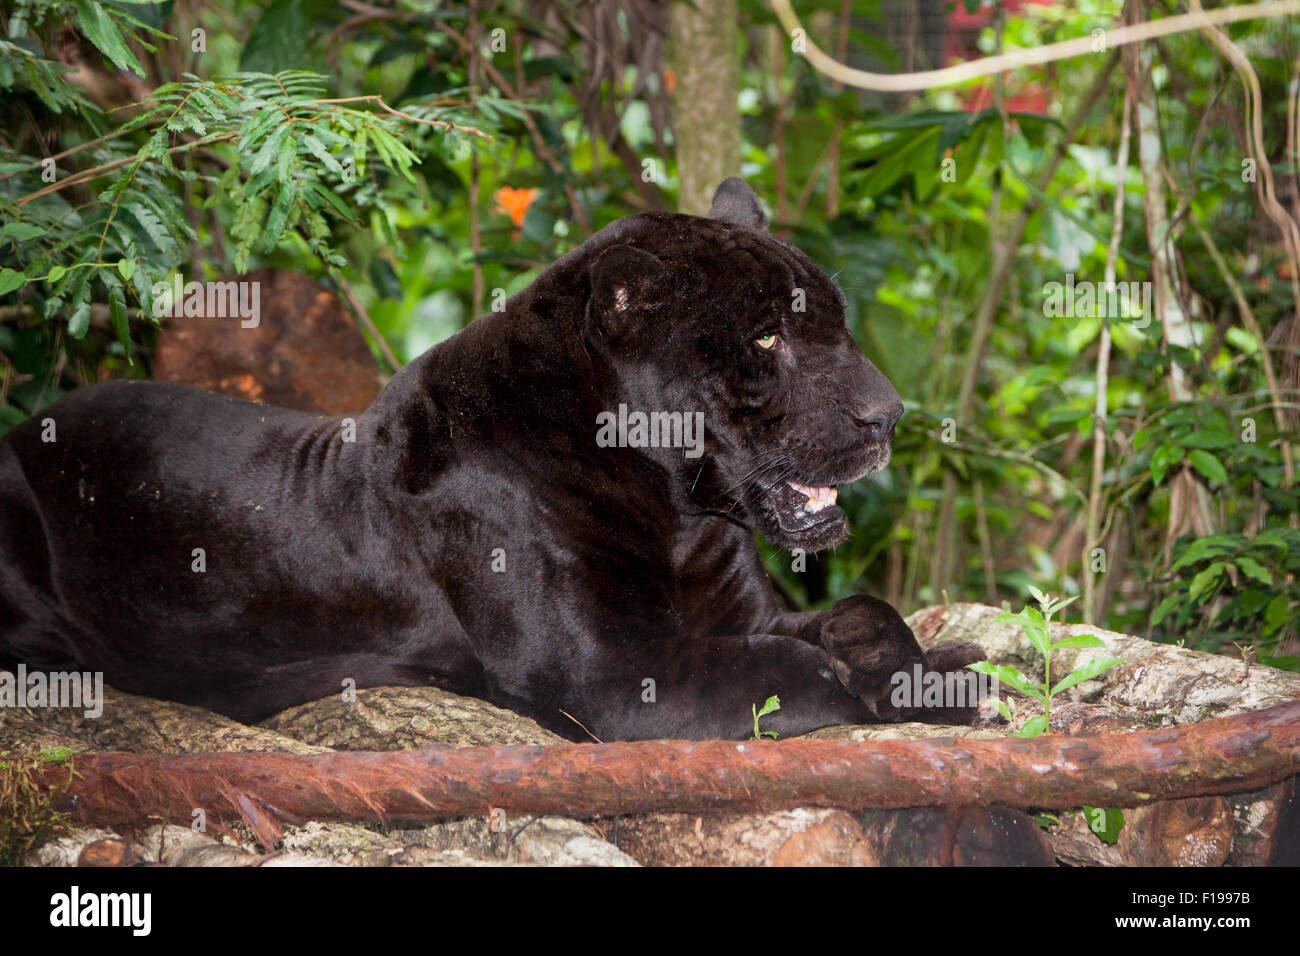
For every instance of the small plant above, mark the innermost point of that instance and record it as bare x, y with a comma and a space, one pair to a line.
1035, 622
772, 705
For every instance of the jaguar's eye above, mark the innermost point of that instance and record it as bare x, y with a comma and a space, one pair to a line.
766, 342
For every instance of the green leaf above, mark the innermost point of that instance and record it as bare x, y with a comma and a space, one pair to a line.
332, 198
1165, 456
1288, 662
1036, 631
100, 30
154, 228
1059, 604
1275, 614
772, 704
906, 154
1105, 823
1034, 727
126, 268
1210, 438
56, 273
538, 224
270, 150
1208, 465
1087, 672
1005, 675
23, 231
314, 146
1253, 569
1080, 640
117, 311
1165, 606
1205, 579
279, 39
11, 281
1206, 547
278, 218
79, 321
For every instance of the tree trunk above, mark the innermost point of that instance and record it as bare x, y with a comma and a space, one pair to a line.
705, 39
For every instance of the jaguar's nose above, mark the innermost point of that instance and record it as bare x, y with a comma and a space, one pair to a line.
879, 420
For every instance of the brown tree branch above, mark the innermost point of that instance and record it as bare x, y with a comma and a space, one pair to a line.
1225, 755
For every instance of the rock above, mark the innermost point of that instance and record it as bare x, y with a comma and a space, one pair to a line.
980, 836
786, 838
402, 718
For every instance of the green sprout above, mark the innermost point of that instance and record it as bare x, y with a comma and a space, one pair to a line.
1035, 622
773, 704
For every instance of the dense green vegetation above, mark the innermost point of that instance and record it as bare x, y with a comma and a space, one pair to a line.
387, 146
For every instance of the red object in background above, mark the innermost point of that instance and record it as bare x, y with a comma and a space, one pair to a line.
960, 44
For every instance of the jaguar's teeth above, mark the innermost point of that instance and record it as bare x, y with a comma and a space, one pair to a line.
819, 496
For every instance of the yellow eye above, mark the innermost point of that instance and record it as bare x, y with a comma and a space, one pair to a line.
766, 342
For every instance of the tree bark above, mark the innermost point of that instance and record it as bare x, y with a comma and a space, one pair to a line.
705, 40
1219, 756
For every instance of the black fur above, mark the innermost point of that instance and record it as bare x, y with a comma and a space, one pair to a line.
373, 560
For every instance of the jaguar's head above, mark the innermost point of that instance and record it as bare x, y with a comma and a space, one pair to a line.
716, 318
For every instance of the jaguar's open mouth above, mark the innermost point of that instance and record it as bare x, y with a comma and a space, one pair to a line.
804, 508
804, 514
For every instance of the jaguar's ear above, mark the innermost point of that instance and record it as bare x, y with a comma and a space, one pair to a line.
627, 284
735, 202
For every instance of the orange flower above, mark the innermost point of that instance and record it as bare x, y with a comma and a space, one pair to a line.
514, 202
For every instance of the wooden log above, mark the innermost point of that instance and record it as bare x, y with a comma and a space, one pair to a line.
1225, 755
